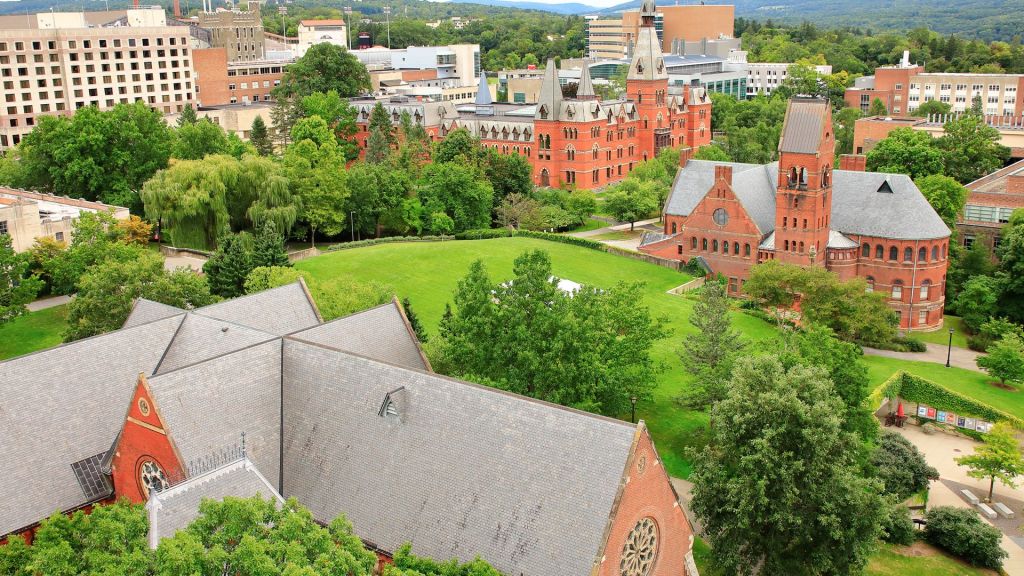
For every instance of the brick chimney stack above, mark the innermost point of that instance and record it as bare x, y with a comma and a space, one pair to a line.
684, 156
853, 162
723, 172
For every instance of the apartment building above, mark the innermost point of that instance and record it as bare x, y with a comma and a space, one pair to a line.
615, 37
220, 82
605, 38
56, 63
905, 86
240, 32
765, 77
867, 132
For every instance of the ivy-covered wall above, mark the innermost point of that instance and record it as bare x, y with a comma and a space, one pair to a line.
917, 389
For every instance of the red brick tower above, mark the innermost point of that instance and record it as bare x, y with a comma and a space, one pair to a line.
803, 199
547, 127
647, 87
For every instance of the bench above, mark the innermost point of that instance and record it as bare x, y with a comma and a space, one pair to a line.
970, 497
986, 511
1003, 510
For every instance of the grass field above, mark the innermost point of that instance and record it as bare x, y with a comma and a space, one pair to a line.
32, 331
941, 336
427, 273
590, 224
977, 385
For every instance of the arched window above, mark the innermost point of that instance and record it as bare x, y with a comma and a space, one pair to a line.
908, 254
673, 227
935, 253
746, 249
736, 248
786, 246
894, 253
801, 247
704, 244
897, 290
825, 177
865, 250
803, 176
870, 284
925, 288
725, 247
879, 252
792, 176
714, 245
545, 178
796, 204
943, 251
693, 243
922, 255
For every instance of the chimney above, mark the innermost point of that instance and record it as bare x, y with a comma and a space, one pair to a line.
684, 156
853, 162
723, 172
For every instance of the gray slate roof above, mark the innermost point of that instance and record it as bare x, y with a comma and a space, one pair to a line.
145, 311
62, 406
804, 124
201, 338
379, 333
461, 470
858, 208
175, 508
278, 311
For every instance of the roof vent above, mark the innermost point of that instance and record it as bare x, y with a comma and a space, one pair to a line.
394, 403
885, 187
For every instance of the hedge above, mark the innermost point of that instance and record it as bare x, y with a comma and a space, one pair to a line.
917, 389
491, 233
387, 240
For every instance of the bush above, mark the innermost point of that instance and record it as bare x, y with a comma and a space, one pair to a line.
961, 532
979, 342
387, 240
897, 527
898, 345
900, 466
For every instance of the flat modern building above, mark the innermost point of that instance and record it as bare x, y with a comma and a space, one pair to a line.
867, 132
319, 31
991, 200
240, 32
905, 86
605, 38
27, 216
765, 77
56, 63
220, 82
235, 119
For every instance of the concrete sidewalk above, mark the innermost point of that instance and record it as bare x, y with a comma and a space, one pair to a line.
960, 357
50, 302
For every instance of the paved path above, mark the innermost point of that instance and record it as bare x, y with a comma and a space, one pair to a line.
961, 357
684, 488
617, 227
44, 303
940, 450
184, 261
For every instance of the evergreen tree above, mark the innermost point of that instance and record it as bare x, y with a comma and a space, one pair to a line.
188, 116
268, 247
380, 120
229, 265
414, 320
710, 353
259, 136
377, 147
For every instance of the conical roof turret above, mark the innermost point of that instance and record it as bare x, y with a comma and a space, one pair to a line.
549, 104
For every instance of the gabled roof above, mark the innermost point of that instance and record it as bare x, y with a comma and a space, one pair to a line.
201, 338
144, 311
464, 470
381, 333
753, 184
279, 311
804, 125
585, 87
62, 406
176, 507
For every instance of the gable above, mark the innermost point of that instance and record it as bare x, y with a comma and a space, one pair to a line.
752, 184
722, 196
278, 311
145, 311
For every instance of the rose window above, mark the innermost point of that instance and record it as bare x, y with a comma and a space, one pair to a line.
152, 478
640, 550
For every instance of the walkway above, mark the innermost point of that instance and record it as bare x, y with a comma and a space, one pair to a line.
629, 244
940, 450
44, 303
936, 353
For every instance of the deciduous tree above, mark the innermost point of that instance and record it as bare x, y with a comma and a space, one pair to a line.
323, 68
900, 466
1005, 359
997, 458
632, 200
906, 151
946, 195
971, 148
17, 288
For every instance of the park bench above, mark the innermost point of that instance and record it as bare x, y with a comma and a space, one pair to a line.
970, 497
986, 511
1003, 510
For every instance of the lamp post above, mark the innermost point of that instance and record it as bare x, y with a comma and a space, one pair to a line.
352, 221
348, 27
949, 349
387, 17
632, 415
283, 11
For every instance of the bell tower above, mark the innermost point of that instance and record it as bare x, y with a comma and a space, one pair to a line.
647, 86
803, 198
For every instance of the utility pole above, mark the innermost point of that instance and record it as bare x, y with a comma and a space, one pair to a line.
283, 11
387, 17
348, 27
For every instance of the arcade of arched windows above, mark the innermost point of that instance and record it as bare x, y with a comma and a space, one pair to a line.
927, 253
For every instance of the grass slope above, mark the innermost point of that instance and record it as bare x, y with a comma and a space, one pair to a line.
941, 336
32, 331
427, 274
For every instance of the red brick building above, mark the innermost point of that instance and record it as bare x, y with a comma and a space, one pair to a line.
581, 141
799, 210
346, 416
991, 200
219, 82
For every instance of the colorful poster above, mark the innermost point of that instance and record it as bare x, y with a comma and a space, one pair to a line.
970, 423
983, 426
950, 418
960, 421
922, 410
940, 416
932, 412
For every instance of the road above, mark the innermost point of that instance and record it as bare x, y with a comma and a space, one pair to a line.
960, 357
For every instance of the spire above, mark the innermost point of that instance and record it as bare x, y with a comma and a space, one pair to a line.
549, 104
648, 60
484, 104
585, 89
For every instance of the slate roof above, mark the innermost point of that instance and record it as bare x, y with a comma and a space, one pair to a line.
176, 507
461, 470
858, 208
380, 333
279, 311
144, 311
64, 405
838, 240
201, 338
805, 121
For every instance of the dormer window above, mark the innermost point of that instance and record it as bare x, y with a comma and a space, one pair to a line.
393, 405
885, 188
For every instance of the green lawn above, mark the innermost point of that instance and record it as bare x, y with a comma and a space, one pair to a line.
427, 272
977, 385
941, 336
590, 224
918, 560
32, 331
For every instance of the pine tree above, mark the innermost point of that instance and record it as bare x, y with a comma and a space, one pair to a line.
188, 116
414, 320
710, 353
379, 120
259, 136
377, 147
229, 265
268, 247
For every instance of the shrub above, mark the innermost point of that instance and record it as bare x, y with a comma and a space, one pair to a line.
898, 345
961, 532
897, 527
900, 466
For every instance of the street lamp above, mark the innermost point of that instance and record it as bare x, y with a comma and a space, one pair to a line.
949, 349
348, 27
352, 221
632, 416
387, 17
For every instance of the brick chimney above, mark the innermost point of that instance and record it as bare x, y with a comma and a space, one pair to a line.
853, 162
684, 156
723, 172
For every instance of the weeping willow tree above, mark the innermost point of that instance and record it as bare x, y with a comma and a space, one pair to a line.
194, 200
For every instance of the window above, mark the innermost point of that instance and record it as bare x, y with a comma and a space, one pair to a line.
746, 249
714, 245
870, 284
725, 247
3, 227
879, 252
673, 227
935, 253
679, 248
152, 478
865, 250
704, 244
897, 290
922, 255
693, 243
923, 292
908, 254
894, 253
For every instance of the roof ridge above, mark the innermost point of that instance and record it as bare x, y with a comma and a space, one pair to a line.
170, 342
218, 356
